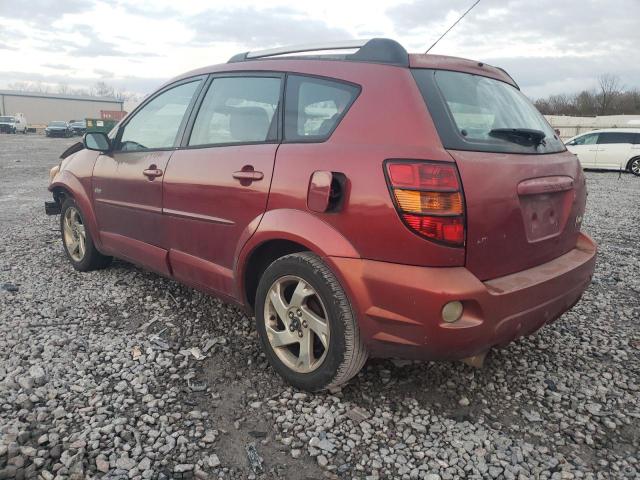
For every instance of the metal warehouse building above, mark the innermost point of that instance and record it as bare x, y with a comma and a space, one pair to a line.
42, 108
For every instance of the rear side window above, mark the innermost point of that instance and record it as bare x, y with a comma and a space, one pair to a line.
314, 107
238, 110
615, 137
636, 138
477, 113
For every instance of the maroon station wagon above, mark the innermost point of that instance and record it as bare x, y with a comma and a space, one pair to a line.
369, 203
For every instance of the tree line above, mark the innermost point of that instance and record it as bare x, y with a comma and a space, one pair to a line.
608, 98
98, 89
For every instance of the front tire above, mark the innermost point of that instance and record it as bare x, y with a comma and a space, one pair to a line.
306, 325
634, 166
77, 240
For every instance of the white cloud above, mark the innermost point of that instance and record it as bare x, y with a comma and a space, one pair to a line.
548, 46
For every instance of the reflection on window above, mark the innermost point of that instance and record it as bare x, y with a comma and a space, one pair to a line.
156, 125
238, 110
480, 104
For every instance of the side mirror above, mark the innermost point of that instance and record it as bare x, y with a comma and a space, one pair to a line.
97, 141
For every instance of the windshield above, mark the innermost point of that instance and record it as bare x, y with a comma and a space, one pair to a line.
470, 111
7, 119
57, 124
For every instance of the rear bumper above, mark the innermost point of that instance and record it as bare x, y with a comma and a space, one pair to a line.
399, 306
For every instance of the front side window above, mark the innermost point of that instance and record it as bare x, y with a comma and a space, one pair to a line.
314, 107
477, 113
157, 124
238, 110
615, 137
588, 139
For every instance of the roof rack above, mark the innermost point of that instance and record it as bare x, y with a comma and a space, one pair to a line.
375, 50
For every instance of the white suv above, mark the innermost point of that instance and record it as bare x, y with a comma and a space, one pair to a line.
13, 123
613, 149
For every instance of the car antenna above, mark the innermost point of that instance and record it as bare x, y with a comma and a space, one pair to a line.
451, 27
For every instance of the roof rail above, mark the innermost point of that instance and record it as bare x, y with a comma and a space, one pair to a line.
375, 50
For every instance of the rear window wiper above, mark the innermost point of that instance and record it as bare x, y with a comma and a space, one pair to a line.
521, 136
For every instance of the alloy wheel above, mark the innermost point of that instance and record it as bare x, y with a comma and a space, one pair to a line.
75, 237
297, 324
635, 166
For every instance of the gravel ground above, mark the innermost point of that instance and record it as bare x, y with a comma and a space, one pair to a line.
123, 374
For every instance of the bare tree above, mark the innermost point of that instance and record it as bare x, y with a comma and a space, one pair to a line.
610, 98
610, 88
19, 86
63, 89
102, 89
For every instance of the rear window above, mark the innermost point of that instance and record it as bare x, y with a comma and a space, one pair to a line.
472, 112
314, 107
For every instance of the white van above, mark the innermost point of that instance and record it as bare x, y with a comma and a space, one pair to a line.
13, 123
611, 149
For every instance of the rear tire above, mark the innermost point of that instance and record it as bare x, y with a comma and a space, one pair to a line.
634, 166
77, 241
314, 315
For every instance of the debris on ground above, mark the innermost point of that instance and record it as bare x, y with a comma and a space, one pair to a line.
136, 352
9, 287
256, 462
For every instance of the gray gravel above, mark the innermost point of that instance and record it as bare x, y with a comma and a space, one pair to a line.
123, 374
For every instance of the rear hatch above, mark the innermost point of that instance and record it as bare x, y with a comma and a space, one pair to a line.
524, 193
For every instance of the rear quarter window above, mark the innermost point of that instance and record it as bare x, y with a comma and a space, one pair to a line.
314, 107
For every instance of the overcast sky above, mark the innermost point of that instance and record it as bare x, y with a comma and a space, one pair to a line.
548, 46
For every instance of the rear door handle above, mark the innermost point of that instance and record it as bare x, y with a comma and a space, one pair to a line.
152, 172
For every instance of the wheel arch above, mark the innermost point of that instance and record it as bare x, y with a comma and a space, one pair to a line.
282, 232
628, 167
68, 185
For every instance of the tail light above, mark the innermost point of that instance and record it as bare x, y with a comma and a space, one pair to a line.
429, 199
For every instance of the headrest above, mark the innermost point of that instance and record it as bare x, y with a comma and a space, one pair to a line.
249, 124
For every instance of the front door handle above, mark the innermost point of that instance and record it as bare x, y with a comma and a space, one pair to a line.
248, 175
152, 172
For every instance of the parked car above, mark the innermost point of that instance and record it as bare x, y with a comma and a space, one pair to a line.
610, 149
371, 204
79, 127
58, 129
13, 124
